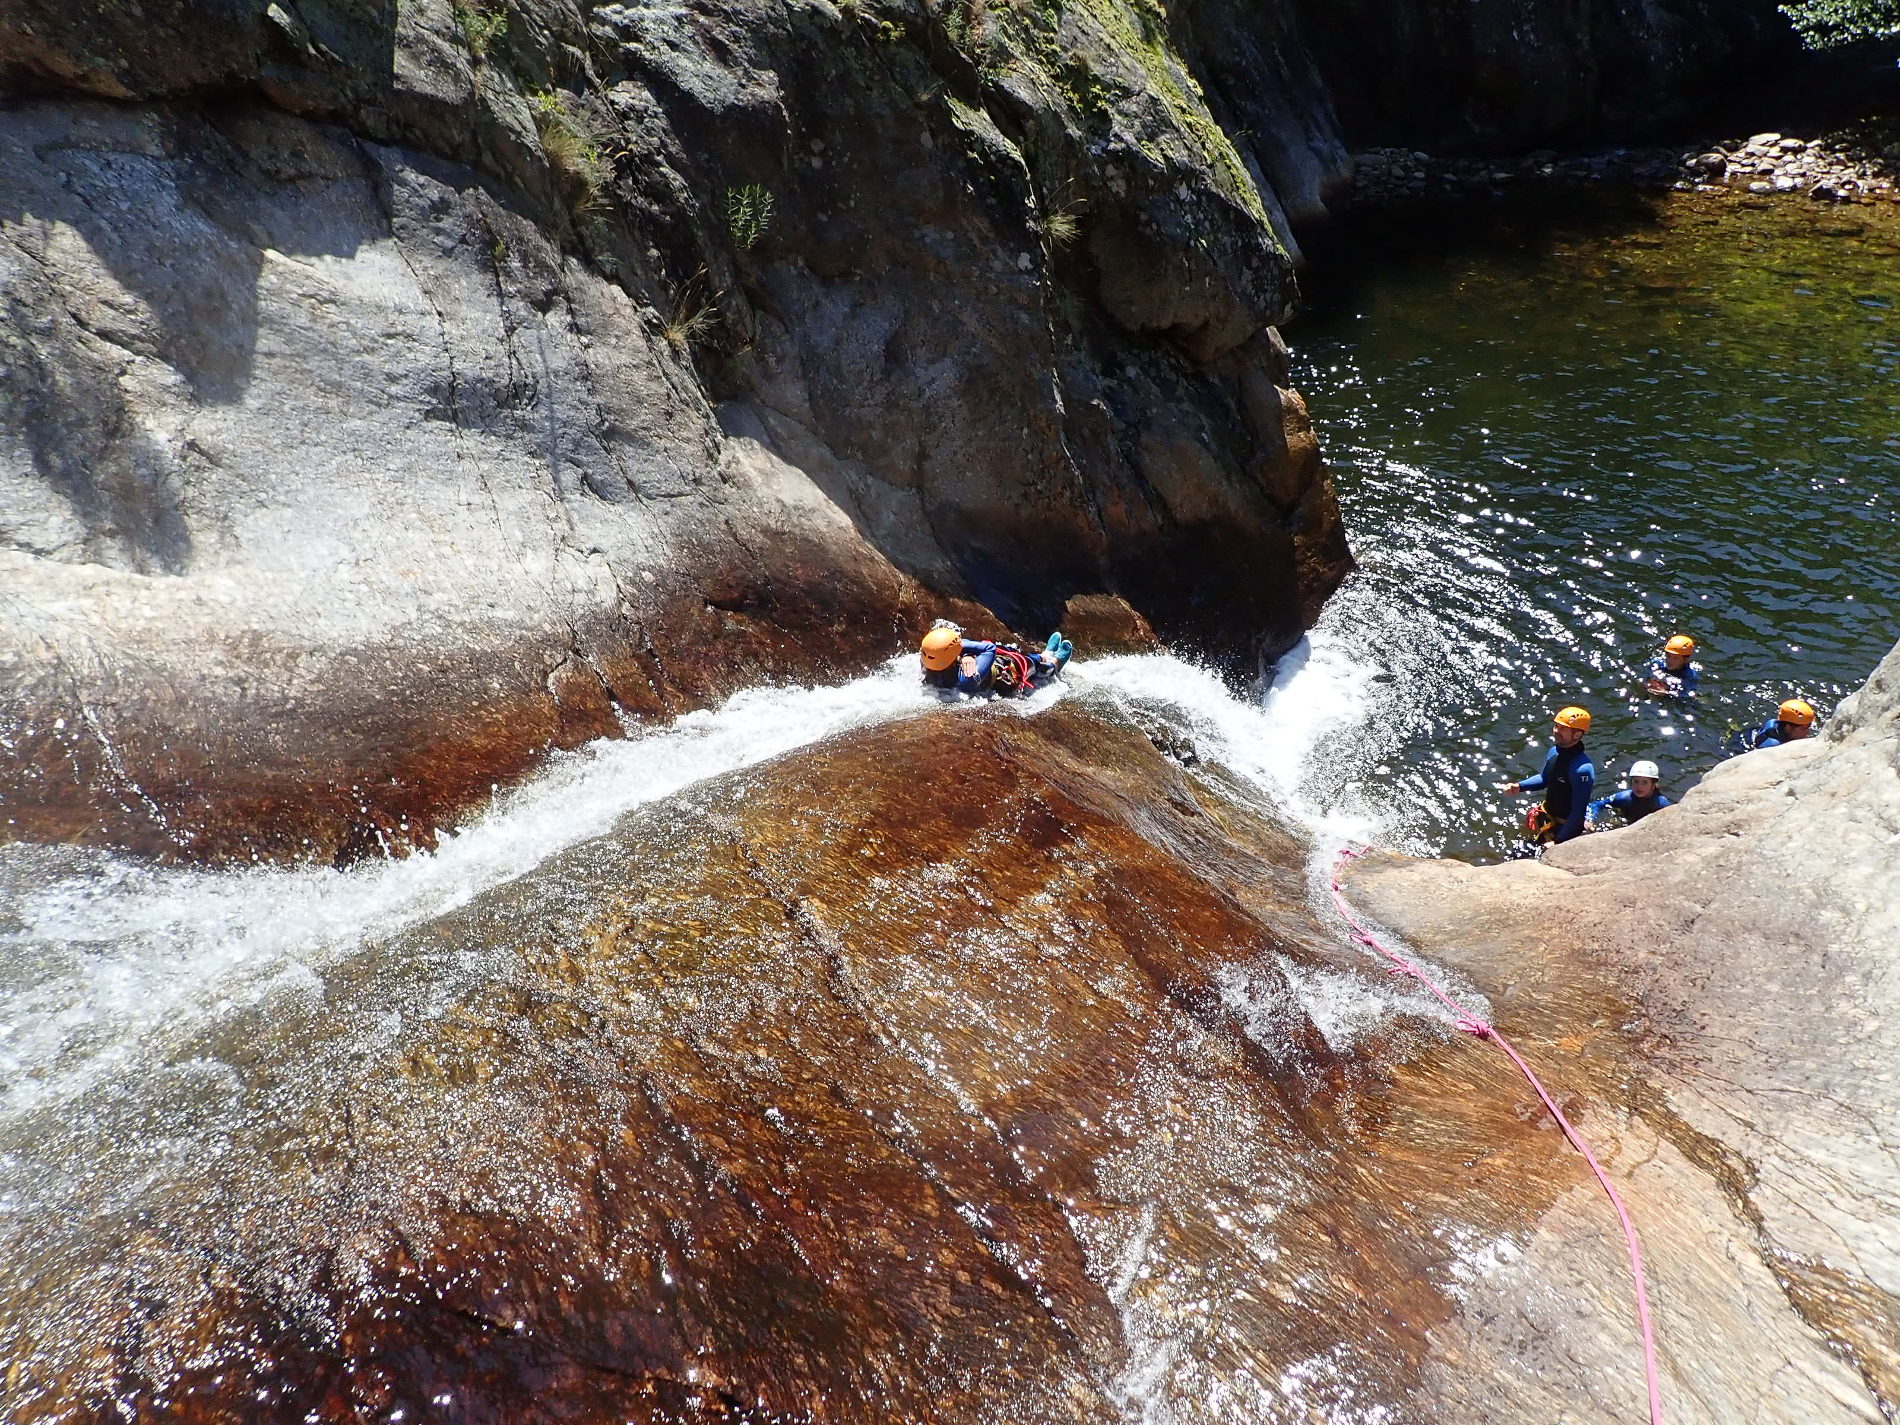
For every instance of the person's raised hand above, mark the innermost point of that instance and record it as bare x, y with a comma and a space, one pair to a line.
1510, 789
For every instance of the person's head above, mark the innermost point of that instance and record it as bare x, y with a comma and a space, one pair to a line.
1569, 726
1678, 651
1795, 718
940, 648
1645, 778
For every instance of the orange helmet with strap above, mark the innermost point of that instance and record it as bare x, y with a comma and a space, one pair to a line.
1796, 711
1578, 718
1681, 643
940, 648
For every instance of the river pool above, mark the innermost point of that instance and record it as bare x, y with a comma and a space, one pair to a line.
1561, 438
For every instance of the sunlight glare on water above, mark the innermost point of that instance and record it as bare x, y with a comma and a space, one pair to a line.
1558, 442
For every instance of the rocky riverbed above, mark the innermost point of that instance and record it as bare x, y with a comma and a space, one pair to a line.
1859, 164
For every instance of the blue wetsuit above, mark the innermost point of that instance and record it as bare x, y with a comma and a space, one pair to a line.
1566, 781
1681, 682
979, 681
1627, 805
1770, 734
951, 679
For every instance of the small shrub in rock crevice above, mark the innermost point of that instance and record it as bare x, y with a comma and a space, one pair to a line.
695, 314
573, 145
748, 214
480, 27
1064, 225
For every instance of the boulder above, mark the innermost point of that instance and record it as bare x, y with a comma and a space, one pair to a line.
1733, 960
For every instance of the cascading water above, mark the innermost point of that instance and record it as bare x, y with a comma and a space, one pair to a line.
136, 995
1388, 723
100, 955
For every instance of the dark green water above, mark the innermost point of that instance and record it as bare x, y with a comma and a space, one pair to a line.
1560, 441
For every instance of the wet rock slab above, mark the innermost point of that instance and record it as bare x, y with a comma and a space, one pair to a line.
973, 1067
1743, 946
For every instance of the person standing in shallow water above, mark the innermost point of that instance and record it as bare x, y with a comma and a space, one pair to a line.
1566, 781
1670, 674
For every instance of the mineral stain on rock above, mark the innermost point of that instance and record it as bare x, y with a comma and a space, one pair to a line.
969, 1068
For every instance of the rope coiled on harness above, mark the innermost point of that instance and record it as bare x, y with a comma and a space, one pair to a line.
1470, 1024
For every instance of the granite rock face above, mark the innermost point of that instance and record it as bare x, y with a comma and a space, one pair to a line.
389, 399
395, 392
1736, 961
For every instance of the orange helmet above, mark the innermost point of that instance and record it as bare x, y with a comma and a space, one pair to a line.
1681, 643
940, 648
1795, 711
1573, 717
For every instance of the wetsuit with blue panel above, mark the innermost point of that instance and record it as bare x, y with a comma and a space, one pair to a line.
954, 680
1627, 805
1566, 781
1772, 733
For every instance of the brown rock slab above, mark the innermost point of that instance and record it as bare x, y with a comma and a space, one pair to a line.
974, 1066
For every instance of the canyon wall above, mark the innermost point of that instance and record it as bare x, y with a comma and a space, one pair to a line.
395, 392
1503, 76
387, 401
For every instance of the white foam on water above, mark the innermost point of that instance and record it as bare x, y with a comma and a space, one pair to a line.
92, 959
96, 960
1319, 706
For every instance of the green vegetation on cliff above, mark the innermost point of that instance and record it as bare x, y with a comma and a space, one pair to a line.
1826, 24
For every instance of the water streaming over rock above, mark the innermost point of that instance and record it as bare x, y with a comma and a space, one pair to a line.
172, 1033
100, 953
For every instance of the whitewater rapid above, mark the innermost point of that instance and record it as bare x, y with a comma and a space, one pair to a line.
104, 957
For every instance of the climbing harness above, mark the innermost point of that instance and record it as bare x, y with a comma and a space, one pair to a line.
1010, 674
1469, 1023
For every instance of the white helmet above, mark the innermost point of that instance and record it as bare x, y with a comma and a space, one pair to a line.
1646, 769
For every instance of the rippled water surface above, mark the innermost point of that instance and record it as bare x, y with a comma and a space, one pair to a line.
1559, 443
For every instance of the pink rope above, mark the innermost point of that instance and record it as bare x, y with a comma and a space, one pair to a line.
1470, 1024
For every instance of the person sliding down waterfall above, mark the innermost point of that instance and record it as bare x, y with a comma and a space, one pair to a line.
1566, 781
1638, 800
1670, 674
953, 664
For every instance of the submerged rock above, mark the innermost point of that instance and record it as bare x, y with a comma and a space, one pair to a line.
970, 1067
